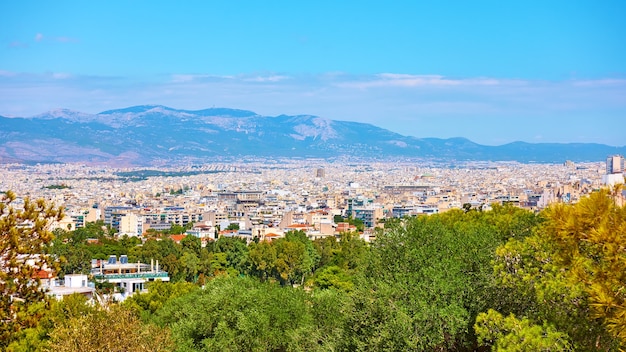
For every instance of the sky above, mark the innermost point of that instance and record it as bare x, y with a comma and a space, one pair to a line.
490, 71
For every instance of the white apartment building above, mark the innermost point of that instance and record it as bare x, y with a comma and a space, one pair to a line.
128, 278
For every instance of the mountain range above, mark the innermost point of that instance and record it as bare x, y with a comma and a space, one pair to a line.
154, 134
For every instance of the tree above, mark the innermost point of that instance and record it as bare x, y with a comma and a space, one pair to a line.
589, 241
413, 291
59, 313
189, 267
233, 226
91, 230
352, 253
24, 236
311, 257
147, 303
333, 277
113, 328
165, 251
241, 314
509, 334
176, 229
424, 280
327, 248
70, 253
235, 250
289, 260
191, 244
572, 272
358, 223
262, 258
329, 309
340, 261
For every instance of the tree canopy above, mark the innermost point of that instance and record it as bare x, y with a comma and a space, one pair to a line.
570, 273
464, 280
24, 238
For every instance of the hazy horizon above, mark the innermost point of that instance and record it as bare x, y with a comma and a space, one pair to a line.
489, 72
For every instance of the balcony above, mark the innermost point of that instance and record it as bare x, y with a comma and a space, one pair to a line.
147, 275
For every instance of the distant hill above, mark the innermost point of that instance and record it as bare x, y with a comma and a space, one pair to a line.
144, 135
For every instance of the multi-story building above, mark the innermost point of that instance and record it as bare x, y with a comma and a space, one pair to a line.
131, 225
70, 284
127, 277
614, 164
79, 216
352, 203
114, 214
214, 217
401, 211
66, 223
614, 170
202, 231
368, 214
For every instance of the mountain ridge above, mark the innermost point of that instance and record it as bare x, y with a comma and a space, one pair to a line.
145, 134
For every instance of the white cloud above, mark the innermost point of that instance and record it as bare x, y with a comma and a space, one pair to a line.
63, 39
407, 80
187, 78
599, 82
273, 78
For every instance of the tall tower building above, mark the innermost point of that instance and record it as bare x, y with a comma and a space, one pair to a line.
614, 170
614, 164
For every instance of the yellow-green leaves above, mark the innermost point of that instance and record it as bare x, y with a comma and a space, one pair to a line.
511, 334
574, 267
24, 235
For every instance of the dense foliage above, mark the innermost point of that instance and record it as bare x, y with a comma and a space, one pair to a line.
505, 280
569, 274
24, 237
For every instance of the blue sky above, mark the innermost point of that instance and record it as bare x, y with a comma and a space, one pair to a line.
491, 71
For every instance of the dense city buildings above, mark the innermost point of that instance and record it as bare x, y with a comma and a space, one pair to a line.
260, 198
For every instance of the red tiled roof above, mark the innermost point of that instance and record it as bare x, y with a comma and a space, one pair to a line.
43, 274
177, 238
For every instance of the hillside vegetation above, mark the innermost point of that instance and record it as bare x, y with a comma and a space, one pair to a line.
501, 280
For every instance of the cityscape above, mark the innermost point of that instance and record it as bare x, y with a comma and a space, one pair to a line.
312, 176
265, 199
264, 204
270, 196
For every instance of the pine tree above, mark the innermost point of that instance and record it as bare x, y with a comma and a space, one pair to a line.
24, 236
